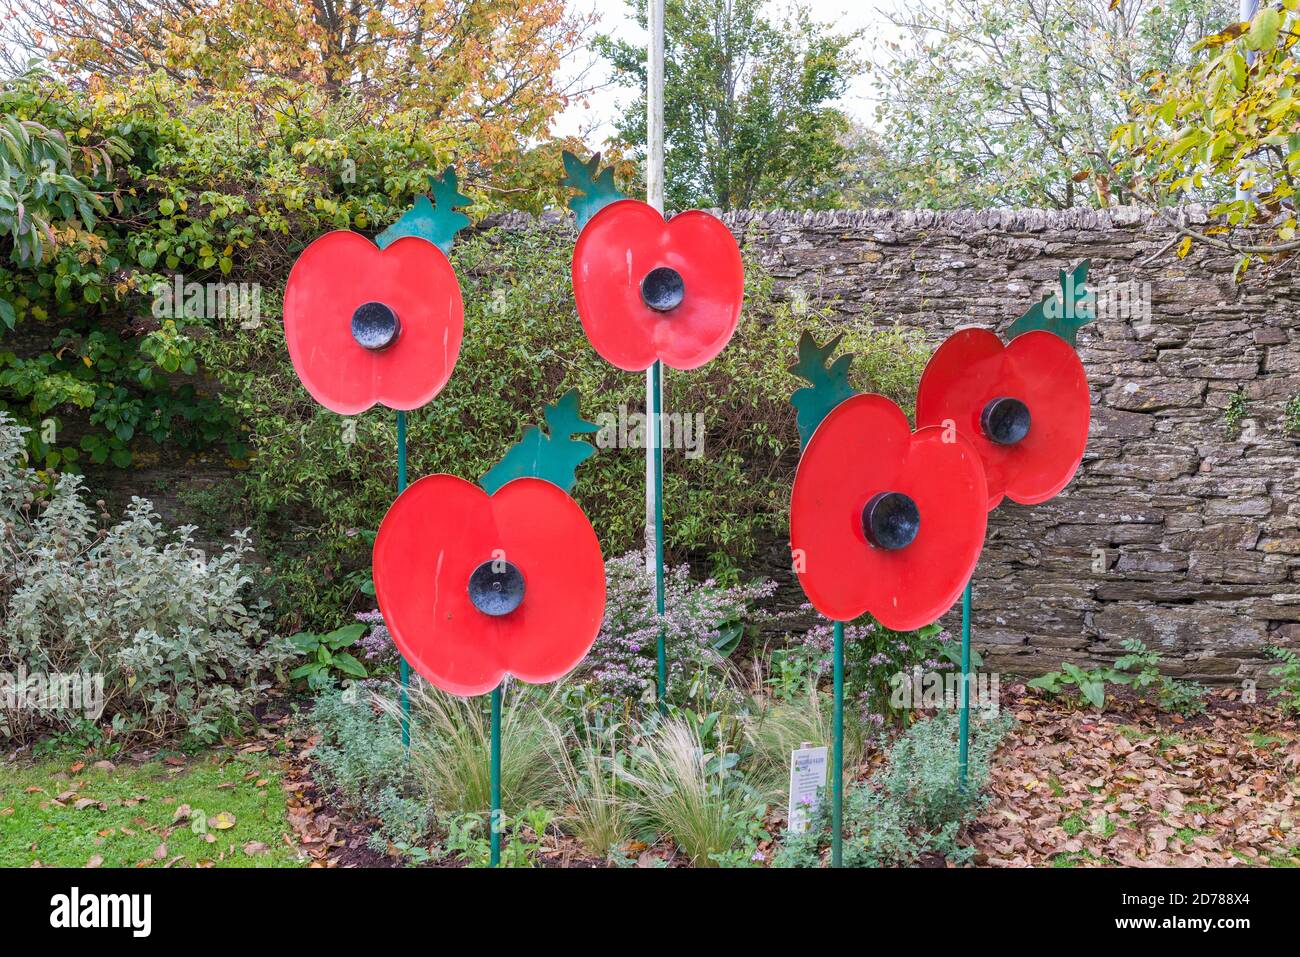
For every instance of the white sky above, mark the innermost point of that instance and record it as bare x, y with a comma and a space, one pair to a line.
595, 120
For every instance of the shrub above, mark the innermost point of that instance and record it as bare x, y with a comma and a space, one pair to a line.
151, 177
361, 755
704, 622
1287, 672
377, 645
360, 751
922, 772
173, 632
873, 656
225, 192
915, 806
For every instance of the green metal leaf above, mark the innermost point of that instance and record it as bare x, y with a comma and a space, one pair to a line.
595, 190
1062, 314
553, 457
436, 221
829, 384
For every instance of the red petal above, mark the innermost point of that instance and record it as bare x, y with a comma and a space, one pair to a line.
615, 250
863, 447
340, 271
1039, 368
442, 528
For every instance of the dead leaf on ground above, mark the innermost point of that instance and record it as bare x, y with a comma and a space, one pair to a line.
222, 821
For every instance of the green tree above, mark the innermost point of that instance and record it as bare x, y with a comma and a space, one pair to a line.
748, 111
1010, 102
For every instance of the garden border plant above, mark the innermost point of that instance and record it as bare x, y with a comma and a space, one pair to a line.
176, 635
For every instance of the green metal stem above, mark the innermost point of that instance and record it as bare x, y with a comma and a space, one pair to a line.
963, 753
494, 776
406, 669
837, 782
656, 439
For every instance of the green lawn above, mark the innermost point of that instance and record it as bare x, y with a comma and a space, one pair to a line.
218, 809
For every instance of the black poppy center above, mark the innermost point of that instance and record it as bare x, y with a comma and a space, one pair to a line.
375, 326
496, 587
1005, 420
891, 520
662, 289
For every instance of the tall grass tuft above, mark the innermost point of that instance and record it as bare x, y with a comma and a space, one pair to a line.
450, 747
595, 812
689, 793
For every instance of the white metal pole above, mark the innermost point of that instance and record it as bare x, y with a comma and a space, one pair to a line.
654, 180
1246, 10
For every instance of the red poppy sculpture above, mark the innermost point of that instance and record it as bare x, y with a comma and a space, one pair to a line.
1024, 406
883, 519
371, 324
468, 578
647, 288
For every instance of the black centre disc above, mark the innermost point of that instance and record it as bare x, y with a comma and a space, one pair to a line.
496, 587
1005, 420
662, 289
375, 326
891, 520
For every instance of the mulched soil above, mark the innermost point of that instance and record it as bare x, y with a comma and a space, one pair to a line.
1131, 786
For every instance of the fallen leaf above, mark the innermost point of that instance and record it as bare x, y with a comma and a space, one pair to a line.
222, 821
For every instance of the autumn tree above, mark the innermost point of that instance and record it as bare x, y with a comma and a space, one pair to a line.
749, 110
490, 65
1226, 127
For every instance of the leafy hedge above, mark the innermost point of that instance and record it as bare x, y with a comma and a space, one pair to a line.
103, 197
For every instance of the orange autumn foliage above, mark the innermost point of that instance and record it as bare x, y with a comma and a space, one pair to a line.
487, 68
